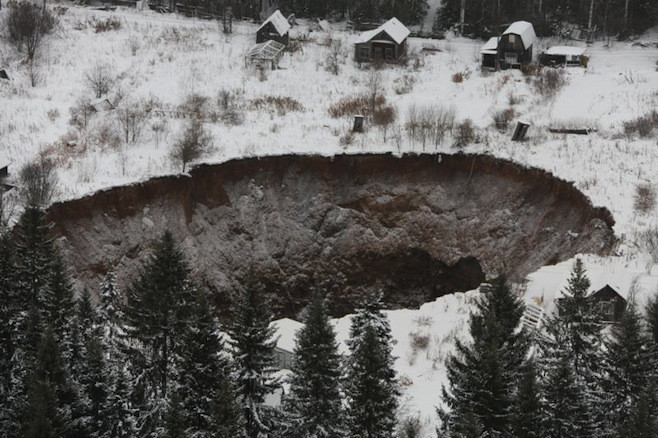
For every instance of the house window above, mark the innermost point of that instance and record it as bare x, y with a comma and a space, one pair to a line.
389, 54
607, 309
511, 58
512, 39
364, 53
378, 53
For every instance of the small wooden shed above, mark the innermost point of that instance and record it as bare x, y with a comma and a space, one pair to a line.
386, 43
275, 28
610, 304
564, 56
264, 54
488, 53
515, 45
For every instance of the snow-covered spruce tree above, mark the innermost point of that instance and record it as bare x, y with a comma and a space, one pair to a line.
119, 421
252, 341
111, 319
174, 422
527, 421
201, 367
315, 399
370, 382
572, 350
226, 413
484, 375
8, 319
156, 314
629, 374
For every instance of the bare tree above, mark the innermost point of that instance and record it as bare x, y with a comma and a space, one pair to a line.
27, 24
100, 79
39, 182
193, 144
131, 119
374, 88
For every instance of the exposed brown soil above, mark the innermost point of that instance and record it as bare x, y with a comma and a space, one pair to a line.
418, 226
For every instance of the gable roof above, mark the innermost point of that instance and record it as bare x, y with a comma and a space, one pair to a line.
268, 50
566, 50
524, 30
279, 21
393, 28
286, 330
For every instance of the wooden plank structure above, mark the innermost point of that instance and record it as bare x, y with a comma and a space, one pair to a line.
266, 53
515, 45
387, 43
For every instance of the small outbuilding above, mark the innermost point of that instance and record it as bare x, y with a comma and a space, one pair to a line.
515, 45
275, 28
610, 304
286, 330
267, 54
568, 56
489, 52
386, 43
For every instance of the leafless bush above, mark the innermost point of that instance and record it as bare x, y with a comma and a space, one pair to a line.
384, 117
459, 77
335, 56
192, 145
502, 118
374, 88
346, 139
648, 241
100, 79
27, 24
429, 123
38, 182
106, 25
418, 341
105, 136
414, 60
513, 99
410, 427
280, 104
81, 112
195, 103
133, 44
404, 84
355, 105
548, 81
465, 134
645, 198
53, 114
230, 106
642, 126
131, 119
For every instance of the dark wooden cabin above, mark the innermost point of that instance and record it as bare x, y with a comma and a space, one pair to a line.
610, 304
515, 45
489, 52
387, 43
275, 28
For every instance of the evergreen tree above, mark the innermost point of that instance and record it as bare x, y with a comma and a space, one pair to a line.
315, 383
8, 320
111, 318
175, 424
370, 383
201, 367
571, 356
527, 421
119, 416
252, 340
226, 415
95, 384
156, 313
483, 375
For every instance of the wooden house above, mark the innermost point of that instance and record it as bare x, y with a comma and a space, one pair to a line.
610, 304
515, 45
275, 28
387, 43
489, 52
286, 330
567, 56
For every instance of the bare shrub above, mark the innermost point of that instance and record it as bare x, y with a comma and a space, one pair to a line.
502, 118
459, 77
410, 427
429, 123
465, 134
548, 81
648, 241
106, 25
131, 119
404, 84
418, 341
335, 57
33, 72
384, 117
81, 112
133, 42
230, 106
195, 103
105, 136
642, 126
100, 79
192, 145
374, 88
513, 99
27, 24
356, 105
53, 114
346, 139
38, 182
645, 198
414, 60
280, 104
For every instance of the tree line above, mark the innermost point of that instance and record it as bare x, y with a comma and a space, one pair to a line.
155, 362
482, 18
573, 379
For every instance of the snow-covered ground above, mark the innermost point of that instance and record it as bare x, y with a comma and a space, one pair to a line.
176, 57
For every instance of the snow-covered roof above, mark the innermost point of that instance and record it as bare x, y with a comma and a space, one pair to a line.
490, 47
524, 30
279, 21
4, 161
286, 330
393, 28
267, 50
566, 50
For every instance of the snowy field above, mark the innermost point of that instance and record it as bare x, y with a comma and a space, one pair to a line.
164, 59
